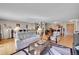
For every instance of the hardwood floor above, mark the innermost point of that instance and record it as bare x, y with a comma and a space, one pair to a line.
66, 41
7, 46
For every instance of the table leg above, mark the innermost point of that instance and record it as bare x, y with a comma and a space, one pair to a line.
56, 40
71, 51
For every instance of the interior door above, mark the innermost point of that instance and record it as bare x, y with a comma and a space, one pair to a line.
70, 28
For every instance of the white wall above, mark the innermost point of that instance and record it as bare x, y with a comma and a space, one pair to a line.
22, 24
77, 25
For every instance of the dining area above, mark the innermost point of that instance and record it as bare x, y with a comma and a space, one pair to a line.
53, 39
49, 42
39, 29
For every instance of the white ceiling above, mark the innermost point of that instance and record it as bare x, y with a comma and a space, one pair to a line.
39, 12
